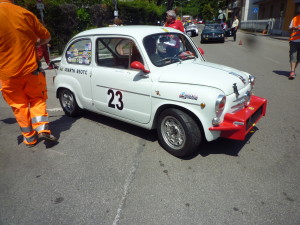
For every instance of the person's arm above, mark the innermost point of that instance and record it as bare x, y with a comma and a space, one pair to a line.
42, 41
293, 28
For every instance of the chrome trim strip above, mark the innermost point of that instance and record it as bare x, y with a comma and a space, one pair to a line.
123, 90
149, 95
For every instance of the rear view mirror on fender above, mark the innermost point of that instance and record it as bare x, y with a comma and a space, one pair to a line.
139, 66
201, 51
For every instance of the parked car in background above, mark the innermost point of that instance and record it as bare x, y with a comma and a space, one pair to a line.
213, 33
191, 29
200, 22
156, 78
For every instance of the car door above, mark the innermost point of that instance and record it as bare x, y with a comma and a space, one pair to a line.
116, 88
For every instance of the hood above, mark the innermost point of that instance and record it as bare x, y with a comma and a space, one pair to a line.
212, 31
206, 74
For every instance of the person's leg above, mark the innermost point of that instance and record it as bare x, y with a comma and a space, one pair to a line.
293, 58
36, 89
13, 94
294, 66
234, 37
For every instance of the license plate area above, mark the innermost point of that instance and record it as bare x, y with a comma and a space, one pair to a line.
254, 118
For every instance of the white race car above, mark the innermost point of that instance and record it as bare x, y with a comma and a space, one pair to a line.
156, 78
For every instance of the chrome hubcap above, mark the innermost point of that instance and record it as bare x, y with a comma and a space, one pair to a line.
68, 101
173, 132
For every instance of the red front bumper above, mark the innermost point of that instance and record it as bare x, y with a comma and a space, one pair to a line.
237, 126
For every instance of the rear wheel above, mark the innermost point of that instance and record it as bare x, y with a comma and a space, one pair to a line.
68, 103
178, 132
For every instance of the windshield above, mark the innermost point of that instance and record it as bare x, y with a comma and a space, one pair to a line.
213, 27
165, 49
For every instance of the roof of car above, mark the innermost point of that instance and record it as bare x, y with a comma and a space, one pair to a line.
131, 30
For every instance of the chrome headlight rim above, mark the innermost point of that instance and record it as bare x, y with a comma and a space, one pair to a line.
247, 98
220, 104
252, 80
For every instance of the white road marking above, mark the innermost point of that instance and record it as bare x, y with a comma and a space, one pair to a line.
55, 110
128, 181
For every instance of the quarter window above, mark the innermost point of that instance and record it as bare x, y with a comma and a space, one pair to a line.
80, 52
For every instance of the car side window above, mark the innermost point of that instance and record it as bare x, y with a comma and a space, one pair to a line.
117, 52
80, 52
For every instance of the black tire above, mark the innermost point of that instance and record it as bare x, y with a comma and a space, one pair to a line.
178, 133
68, 103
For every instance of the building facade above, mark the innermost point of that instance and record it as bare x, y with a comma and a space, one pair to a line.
273, 15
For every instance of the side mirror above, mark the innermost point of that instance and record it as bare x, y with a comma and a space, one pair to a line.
201, 51
139, 66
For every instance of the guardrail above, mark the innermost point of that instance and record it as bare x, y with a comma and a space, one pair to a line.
270, 26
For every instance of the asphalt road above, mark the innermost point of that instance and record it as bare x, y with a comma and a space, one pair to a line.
107, 172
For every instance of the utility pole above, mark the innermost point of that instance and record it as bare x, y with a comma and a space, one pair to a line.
116, 13
40, 6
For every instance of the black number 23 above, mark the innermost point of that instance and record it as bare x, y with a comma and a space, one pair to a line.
117, 94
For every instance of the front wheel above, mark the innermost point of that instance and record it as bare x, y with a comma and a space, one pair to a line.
68, 103
178, 133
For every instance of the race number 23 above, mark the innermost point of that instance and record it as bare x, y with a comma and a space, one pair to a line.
114, 98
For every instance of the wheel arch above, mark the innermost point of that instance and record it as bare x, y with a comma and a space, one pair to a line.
73, 92
161, 108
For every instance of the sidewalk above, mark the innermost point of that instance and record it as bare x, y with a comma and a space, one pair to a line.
278, 37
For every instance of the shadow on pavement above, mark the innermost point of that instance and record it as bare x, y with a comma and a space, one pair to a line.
149, 135
57, 126
9, 121
220, 146
282, 73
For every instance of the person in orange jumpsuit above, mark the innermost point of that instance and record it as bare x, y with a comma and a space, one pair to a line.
24, 86
294, 43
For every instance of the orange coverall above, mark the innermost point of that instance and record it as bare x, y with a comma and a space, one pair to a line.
22, 88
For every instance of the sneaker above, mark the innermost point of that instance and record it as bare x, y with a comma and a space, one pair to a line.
292, 75
47, 136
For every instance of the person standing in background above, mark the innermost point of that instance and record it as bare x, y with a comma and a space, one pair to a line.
42, 52
172, 22
294, 44
24, 86
234, 27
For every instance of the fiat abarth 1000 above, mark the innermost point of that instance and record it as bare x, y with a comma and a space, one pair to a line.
156, 78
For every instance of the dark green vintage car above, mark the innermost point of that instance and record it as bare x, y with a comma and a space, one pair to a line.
213, 33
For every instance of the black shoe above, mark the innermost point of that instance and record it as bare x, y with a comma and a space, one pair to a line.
47, 136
